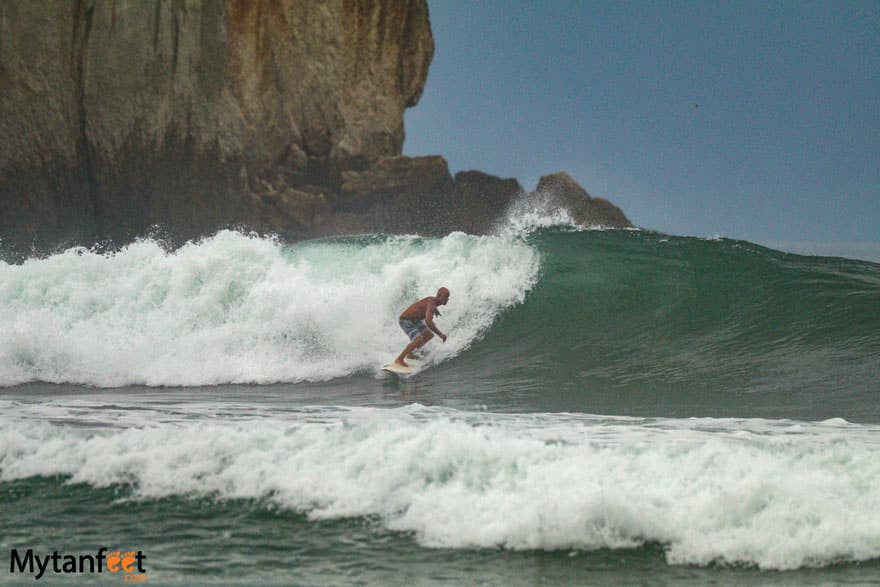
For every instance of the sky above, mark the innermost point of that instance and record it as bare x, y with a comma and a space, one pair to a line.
747, 120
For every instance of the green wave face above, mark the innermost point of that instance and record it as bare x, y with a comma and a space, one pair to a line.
602, 322
639, 323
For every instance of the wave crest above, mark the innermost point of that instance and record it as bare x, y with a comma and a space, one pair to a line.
244, 309
773, 494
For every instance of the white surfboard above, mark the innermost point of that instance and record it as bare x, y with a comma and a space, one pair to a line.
412, 369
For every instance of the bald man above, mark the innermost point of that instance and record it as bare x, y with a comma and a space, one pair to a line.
417, 322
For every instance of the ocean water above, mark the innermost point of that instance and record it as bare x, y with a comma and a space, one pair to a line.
611, 407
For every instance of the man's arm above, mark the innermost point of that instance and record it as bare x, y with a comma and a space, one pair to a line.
430, 308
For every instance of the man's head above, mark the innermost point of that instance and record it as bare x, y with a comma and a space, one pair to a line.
442, 296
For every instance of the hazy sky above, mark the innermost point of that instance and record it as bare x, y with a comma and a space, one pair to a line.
753, 120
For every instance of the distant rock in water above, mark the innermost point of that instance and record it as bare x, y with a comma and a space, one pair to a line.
584, 209
281, 116
478, 199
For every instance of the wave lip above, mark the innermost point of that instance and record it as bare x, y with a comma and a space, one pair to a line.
774, 495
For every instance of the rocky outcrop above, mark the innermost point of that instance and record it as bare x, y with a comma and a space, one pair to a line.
564, 192
397, 194
120, 114
281, 116
478, 200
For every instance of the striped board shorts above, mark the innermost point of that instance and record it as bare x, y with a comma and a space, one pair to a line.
413, 328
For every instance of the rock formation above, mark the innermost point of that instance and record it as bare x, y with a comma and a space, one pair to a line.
563, 191
282, 116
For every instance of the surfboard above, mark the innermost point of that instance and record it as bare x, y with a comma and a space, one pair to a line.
393, 367
397, 369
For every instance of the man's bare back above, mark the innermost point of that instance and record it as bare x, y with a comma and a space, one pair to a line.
419, 310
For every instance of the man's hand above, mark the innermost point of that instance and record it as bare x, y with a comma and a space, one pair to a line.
437, 312
443, 337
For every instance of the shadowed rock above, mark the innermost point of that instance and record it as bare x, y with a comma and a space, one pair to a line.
584, 209
120, 114
478, 200
397, 194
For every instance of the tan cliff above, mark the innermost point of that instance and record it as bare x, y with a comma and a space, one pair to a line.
280, 116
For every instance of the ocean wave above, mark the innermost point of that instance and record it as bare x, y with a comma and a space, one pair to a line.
540, 312
244, 309
770, 494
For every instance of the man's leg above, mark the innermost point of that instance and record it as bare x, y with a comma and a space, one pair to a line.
416, 343
426, 336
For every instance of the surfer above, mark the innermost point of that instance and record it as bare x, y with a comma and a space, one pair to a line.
417, 322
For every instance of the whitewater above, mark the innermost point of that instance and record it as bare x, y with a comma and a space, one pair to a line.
235, 308
610, 406
775, 494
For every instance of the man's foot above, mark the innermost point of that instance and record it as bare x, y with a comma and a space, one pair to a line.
400, 363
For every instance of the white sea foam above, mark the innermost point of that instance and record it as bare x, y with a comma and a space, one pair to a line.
536, 210
776, 495
237, 308
532, 211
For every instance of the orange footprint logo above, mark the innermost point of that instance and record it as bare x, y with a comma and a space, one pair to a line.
113, 561
125, 561
128, 561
